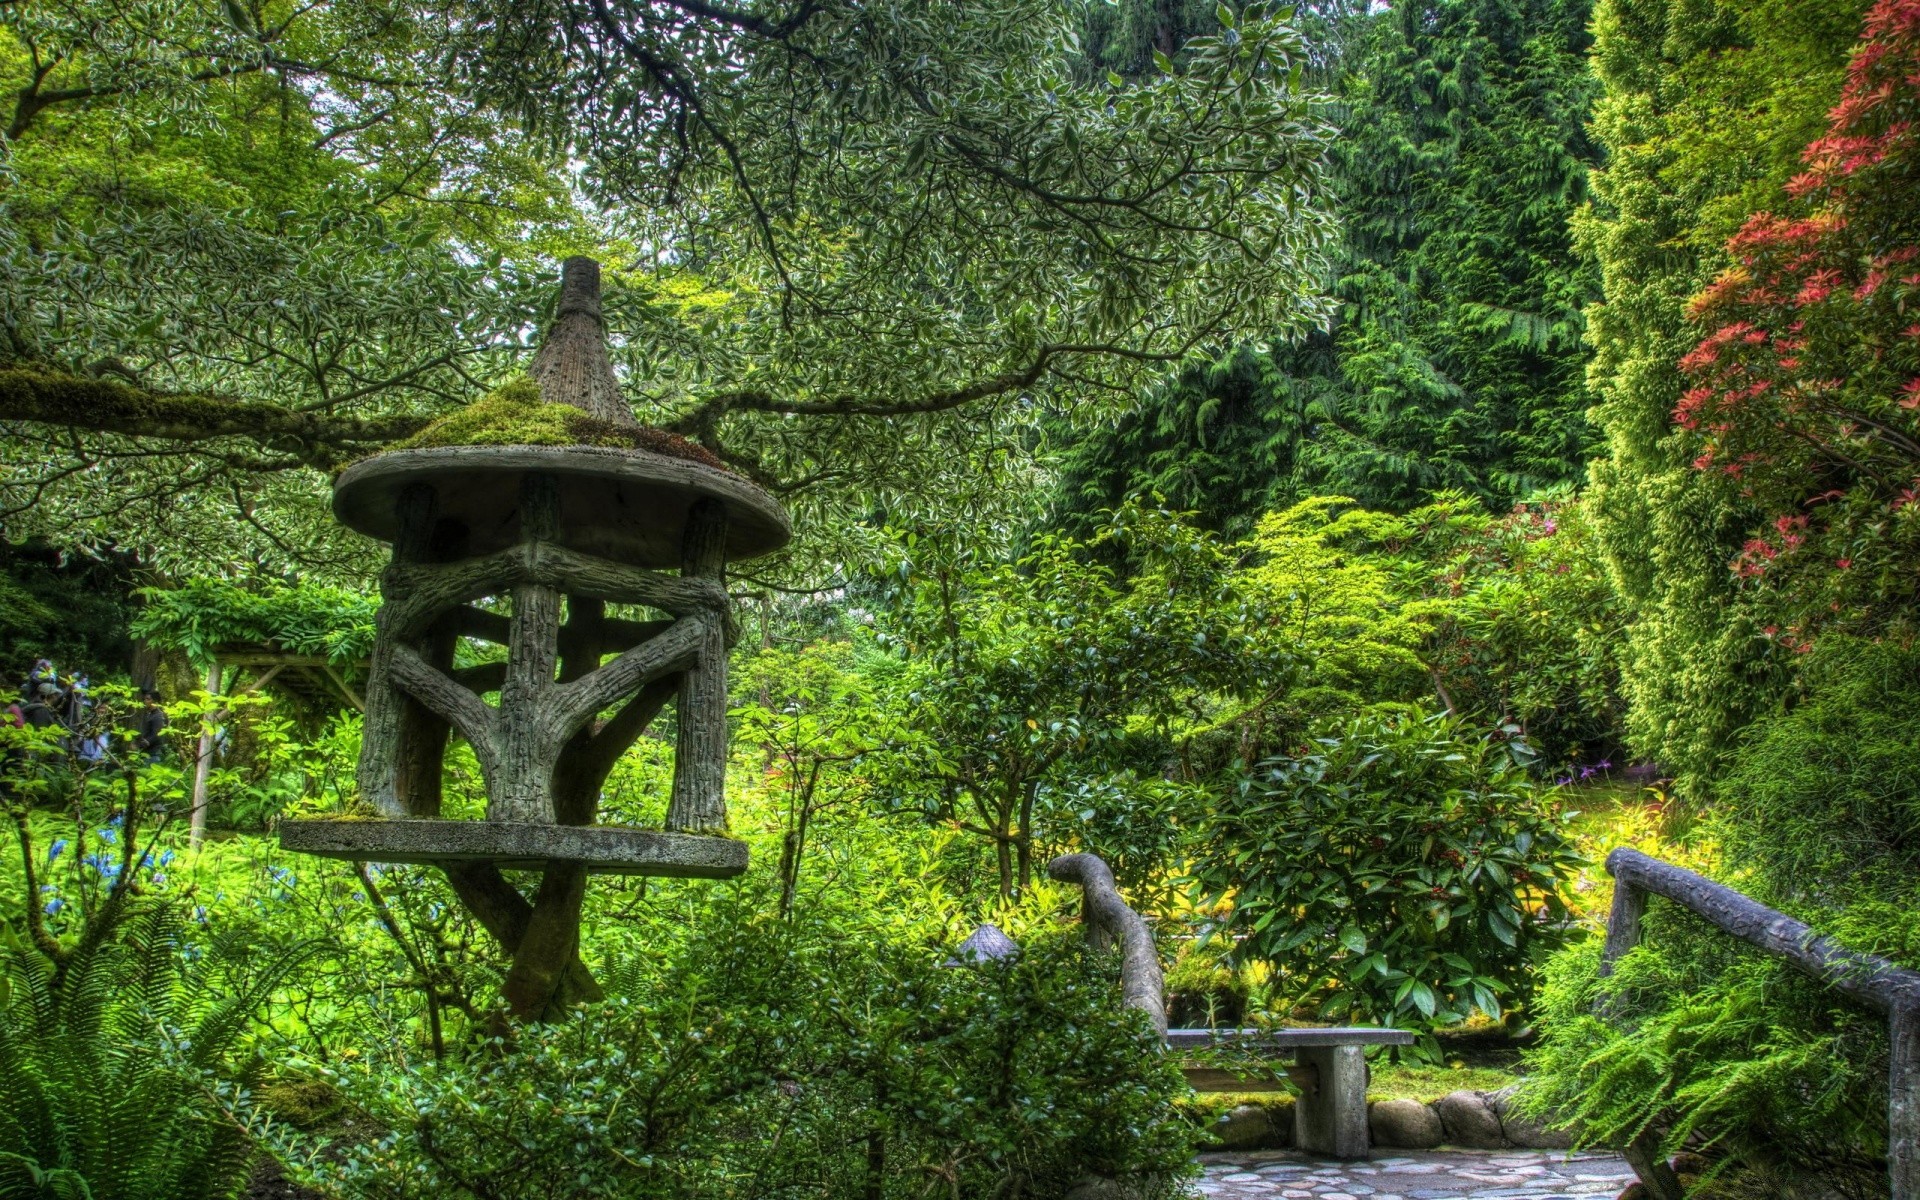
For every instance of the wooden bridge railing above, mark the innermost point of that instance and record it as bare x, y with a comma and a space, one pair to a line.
1109, 920
1873, 983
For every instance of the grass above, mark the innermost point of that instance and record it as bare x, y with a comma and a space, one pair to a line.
1616, 813
1411, 1081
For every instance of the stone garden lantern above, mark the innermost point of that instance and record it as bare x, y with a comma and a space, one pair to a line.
549, 536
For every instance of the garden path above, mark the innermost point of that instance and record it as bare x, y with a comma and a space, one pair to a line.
1414, 1175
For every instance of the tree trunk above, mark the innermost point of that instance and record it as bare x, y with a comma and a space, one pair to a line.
549, 948
1023, 842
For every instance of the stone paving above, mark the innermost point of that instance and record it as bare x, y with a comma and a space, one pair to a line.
1414, 1175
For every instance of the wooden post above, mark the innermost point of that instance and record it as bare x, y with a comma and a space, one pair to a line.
525, 789
393, 723
1903, 1101
1623, 924
203, 763
699, 802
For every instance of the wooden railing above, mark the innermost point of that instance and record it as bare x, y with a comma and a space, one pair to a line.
1108, 920
1873, 983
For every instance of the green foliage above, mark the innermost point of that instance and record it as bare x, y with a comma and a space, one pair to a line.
205, 614
1823, 803
115, 1080
1038, 688
1816, 818
1401, 871
1506, 620
348, 219
1701, 1035
826, 730
73, 610
123, 1065
1704, 113
1453, 362
806, 1058
1807, 381
1333, 589
277, 208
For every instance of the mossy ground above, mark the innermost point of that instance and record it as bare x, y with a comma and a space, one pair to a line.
515, 415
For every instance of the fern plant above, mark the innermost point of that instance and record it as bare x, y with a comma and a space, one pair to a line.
112, 1068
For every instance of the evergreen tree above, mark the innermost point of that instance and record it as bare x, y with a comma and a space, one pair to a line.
1705, 111
1454, 361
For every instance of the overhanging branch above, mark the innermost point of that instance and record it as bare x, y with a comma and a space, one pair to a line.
46, 396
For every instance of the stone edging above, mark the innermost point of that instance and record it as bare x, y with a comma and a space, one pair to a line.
1465, 1119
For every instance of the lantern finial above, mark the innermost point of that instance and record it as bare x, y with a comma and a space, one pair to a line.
572, 365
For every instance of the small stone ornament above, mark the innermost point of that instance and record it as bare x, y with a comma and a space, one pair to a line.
986, 944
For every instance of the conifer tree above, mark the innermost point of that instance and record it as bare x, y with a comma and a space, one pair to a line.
1454, 361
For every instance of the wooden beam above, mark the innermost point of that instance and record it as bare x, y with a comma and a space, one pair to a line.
340, 682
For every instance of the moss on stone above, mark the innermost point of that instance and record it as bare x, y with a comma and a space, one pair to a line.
303, 1103
514, 414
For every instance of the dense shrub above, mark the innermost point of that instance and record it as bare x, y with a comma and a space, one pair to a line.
1402, 871
1706, 105
1506, 619
113, 1069
789, 1058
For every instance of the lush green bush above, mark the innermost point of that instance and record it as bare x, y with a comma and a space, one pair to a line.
1705, 107
1404, 871
789, 1058
1504, 619
1819, 818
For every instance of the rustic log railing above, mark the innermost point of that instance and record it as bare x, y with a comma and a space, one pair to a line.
1109, 920
1873, 983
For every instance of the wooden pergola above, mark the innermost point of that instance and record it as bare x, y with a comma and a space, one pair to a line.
314, 679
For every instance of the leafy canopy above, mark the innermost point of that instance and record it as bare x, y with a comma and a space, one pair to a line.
1453, 361
852, 242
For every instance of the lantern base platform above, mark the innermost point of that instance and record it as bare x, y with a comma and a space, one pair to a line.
524, 845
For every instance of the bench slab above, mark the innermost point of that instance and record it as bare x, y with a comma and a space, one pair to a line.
1288, 1039
1329, 1073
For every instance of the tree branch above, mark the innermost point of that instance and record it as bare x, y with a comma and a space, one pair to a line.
47, 396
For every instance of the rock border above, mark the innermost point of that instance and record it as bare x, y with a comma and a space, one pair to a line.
1467, 1120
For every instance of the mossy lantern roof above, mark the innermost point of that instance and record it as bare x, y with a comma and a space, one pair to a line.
618, 499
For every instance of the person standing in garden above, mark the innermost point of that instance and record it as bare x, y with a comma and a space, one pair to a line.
150, 725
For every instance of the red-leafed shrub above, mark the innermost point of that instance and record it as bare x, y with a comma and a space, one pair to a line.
1807, 390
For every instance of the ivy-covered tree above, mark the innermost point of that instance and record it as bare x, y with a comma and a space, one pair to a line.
1705, 111
1454, 359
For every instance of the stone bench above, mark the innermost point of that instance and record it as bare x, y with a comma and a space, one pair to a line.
1329, 1068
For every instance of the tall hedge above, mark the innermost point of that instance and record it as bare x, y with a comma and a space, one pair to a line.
1705, 109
